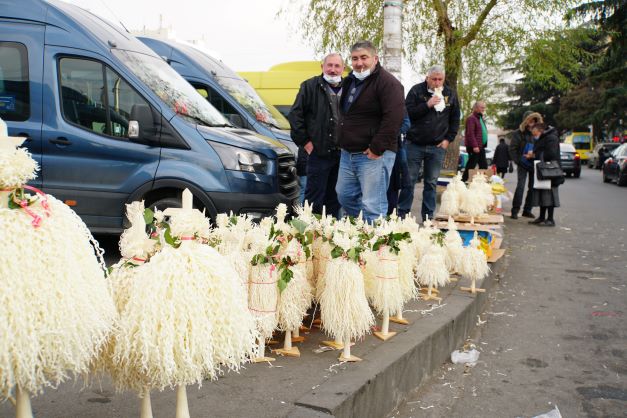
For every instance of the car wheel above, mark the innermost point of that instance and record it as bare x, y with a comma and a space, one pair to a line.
166, 202
606, 179
622, 180
577, 174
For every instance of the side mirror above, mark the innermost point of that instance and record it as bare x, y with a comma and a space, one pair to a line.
141, 126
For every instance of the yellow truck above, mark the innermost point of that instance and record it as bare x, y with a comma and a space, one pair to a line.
279, 85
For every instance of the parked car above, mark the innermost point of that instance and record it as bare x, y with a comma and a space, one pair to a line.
110, 122
615, 167
600, 153
570, 160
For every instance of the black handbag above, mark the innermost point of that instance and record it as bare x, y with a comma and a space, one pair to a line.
510, 169
549, 170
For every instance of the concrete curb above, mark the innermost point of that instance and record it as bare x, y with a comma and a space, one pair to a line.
400, 365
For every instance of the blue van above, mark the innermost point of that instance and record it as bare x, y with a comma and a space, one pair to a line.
224, 89
110, 122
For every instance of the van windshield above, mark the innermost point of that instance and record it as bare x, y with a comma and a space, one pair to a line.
177, 93
255, 106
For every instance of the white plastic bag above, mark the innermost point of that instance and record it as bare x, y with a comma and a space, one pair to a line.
553, 413
537, 183
465, 357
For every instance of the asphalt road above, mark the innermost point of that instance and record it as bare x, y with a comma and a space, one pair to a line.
554, 331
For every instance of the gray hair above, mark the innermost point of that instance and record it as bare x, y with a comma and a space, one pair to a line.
333, 54
436, 69
364, 45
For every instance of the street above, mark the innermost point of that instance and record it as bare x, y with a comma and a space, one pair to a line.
554, 332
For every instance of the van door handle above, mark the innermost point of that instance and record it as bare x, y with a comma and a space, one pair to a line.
61, 141
26, 137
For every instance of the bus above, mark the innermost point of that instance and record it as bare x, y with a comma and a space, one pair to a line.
583, 143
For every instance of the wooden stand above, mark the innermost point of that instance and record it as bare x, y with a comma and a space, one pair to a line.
472, 289
287, 349
296, 337
262, 352
346, 353
426, 290
385, 334
22, 404
430, 296
146, 408
182, 409
336, 345
317, 323
398, 319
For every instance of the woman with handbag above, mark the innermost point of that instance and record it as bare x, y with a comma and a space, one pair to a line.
546, 150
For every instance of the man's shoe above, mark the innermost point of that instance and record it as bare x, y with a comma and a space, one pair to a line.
514, 216
547, 223
537, 221
528, 215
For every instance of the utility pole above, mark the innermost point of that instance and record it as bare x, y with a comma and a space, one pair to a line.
392, 36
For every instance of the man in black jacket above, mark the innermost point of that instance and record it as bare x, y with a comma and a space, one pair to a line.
372, 109
434, 113
313, 120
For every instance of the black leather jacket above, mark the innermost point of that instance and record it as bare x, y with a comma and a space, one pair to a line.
429, 127
311, 118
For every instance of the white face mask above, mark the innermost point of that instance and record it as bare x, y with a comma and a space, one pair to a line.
332, 79
362, 75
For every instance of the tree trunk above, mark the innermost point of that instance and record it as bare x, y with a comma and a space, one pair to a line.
453, 66
392, 37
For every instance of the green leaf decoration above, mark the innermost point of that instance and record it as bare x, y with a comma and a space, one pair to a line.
336, 252
352, 254
168, 237
149, 216
299, 225
282, 285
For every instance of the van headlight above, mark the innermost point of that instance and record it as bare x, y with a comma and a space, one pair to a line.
240, 159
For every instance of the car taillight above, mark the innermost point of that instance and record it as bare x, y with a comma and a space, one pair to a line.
577, 156
609, 161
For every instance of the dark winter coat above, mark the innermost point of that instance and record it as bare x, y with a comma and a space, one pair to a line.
311, 118
501, 155
374, 119
428, 126
473, 136
547, 147
522, 137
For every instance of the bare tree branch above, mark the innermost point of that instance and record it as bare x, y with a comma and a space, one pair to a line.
474, 29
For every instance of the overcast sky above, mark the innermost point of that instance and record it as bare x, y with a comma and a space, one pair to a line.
245, 34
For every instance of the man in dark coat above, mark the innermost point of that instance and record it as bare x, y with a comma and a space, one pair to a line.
501, 158
313, 120
372, 109
433, 110
519, 148
475, 139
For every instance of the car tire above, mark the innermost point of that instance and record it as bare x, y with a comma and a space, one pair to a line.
606, 179
166, 202
577, 174
622, 180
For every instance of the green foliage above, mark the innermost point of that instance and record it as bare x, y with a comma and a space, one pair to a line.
392, 240
149, 216
438, 238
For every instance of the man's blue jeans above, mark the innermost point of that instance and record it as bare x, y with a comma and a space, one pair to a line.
362, 184
429, 158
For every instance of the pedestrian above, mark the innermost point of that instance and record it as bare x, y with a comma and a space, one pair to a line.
372, 109
546, 148
313, 120
475, 139
519, 151
399, 180
501, 158
433, 110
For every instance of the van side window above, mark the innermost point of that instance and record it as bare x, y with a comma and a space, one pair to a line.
121, 99
14, 89
216, 100
96, 97
82, 94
